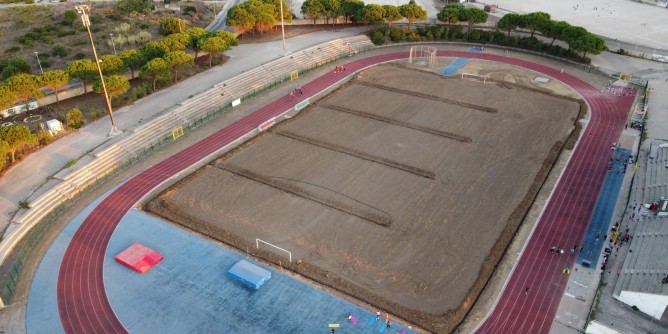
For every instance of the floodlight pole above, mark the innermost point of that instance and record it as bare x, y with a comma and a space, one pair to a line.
282, 27
113, 44
86, 22
39, 63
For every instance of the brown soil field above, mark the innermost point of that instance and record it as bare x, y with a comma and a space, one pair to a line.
402, 188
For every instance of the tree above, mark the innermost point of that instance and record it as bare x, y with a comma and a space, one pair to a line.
115, 84
176, 42
349, 8
7, 97
240, 19
16, 137
392, 14
473, 16
178, 60
287, 15
157, 70
313, 9
195, 34
111, 64
15, 66
136, 6
371, 14
24, 86
554, 29
55, 80
154, 50
263, 13
82, 69
413, 12
449, 14
133, 60
509, 22
533, 21
588, 43
213, 45
4, 151
332, 8
227, 36
74, 119
572, 36
171, 25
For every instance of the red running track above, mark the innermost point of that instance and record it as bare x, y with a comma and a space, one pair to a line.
84, 308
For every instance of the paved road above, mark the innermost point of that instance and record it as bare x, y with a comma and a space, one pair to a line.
84, 307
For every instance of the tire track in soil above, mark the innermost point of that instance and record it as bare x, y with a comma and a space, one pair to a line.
357, 154
392, 121
426, 96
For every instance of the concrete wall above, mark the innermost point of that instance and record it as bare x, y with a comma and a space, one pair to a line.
650, 304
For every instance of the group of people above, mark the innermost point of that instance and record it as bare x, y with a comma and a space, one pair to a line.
298, 90
558, 250
339, 69
353, 320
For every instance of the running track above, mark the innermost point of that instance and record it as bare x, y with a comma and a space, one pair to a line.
84, 308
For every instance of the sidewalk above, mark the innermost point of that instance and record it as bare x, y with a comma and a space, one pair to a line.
26, 179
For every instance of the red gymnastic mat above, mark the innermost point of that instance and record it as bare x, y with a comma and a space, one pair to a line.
139, 257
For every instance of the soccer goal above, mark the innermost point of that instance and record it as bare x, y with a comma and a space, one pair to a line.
474, 76
260, 241
422, 55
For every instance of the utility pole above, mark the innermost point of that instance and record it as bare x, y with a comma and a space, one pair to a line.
81, 9
39, 63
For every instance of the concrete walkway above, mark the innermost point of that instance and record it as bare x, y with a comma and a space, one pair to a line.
26, 180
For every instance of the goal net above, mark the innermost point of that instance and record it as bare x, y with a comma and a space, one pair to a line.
422, 55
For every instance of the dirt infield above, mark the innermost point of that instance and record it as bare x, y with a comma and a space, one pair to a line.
402, 188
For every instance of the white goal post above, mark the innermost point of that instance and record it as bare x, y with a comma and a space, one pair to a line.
257, 245
422, 55
483, 77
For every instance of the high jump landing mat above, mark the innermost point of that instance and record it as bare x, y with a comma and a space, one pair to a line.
249, 274
139, 257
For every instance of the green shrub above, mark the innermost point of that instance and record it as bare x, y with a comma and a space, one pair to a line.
46, 63
378, 37
79, 55
395, 35
71, 163
69, 17
44, 138
66, 33
135, 6
13, 49
43, 56
60, 51
95, 20
75, 119
24, 204
189, 10
115, 17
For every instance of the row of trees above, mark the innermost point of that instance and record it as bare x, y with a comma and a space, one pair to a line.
575, 37
159, 61
263, 15
357, 11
